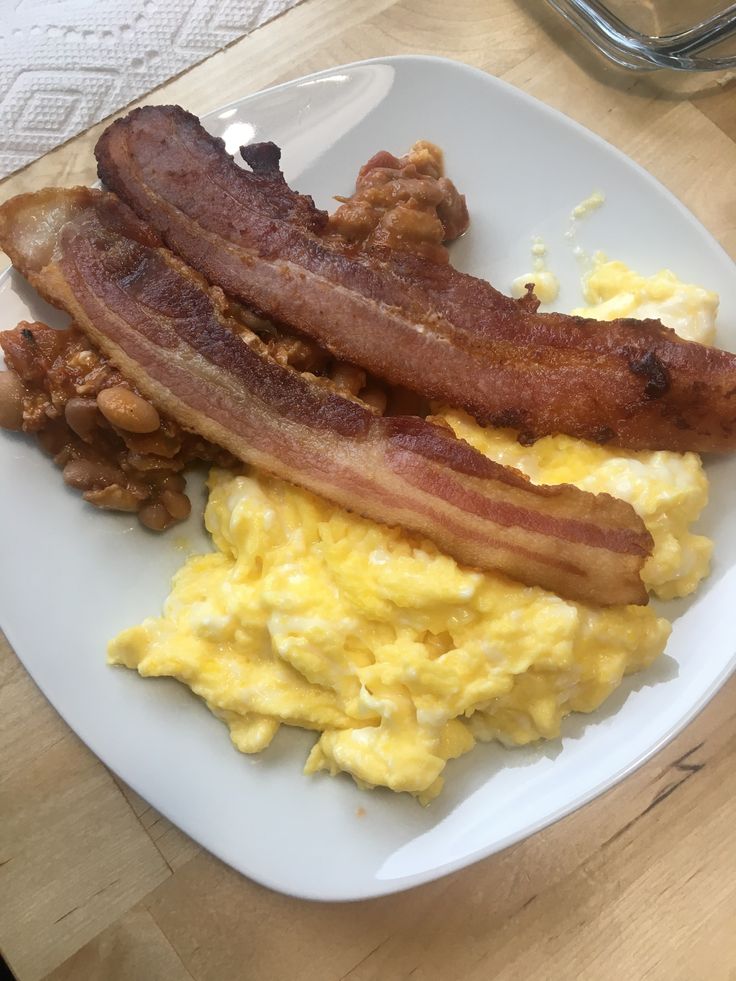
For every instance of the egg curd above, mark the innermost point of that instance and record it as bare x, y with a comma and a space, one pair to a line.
612, 290
397, 656
546, 284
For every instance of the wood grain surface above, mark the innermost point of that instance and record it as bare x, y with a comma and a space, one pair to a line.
640, 884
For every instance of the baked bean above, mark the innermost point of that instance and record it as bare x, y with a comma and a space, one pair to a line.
407, 227
303, 354
355, 220
178, 505
403, 203
138, 486
348, 377
375, 397
126, 410
12, 391
113, 498
155, 517
158, 443
151, 464
64, 455
82, 416
170, 481
86, 474
51, 387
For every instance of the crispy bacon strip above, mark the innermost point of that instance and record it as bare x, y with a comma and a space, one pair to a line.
408, 320
159, 323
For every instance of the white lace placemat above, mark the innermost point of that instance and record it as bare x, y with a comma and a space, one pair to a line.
66, 64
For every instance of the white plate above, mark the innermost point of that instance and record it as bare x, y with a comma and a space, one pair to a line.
71, 577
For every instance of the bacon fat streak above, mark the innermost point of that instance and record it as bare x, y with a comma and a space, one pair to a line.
165, 329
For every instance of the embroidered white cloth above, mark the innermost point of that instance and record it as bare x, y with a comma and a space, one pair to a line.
66, 64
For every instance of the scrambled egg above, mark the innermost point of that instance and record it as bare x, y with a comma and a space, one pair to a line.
667, 490
592, 203
398, 657
546, 284
613, 290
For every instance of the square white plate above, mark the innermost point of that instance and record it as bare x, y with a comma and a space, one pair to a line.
71, 577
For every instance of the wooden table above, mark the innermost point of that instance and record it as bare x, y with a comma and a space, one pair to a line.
94, 884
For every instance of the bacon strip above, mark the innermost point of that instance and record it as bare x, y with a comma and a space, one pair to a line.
160, 324
408, 320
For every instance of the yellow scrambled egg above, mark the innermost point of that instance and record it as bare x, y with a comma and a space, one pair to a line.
398, 657
546, 284
613, 290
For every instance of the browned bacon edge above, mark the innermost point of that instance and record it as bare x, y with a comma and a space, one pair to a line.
155, 319
413, 322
